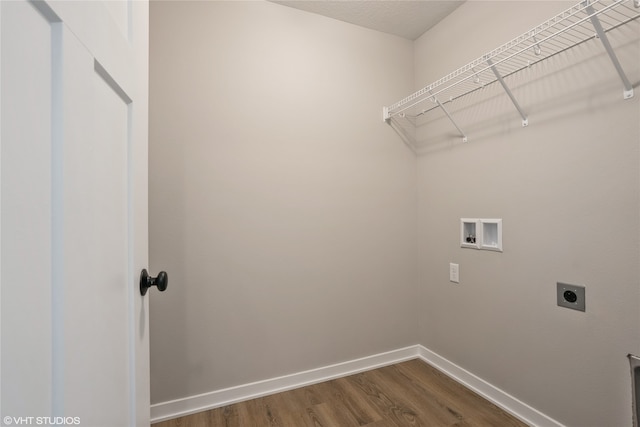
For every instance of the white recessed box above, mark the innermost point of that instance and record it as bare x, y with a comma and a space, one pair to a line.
491, 234
469, 233
478, 233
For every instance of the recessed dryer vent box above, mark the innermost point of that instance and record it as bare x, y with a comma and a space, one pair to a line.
479, 233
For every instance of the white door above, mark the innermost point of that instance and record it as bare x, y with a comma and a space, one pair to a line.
73, 213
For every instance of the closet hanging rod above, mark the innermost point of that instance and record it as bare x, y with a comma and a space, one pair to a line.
557, 34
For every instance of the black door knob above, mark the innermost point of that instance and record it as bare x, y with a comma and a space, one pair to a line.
147, 281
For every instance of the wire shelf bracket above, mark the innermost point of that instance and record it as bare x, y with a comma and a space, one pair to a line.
464, 135
628, 88
525, 120
558, 34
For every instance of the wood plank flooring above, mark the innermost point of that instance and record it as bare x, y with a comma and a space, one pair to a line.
407, 394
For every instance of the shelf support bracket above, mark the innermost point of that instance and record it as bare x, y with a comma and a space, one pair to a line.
628, 88
525, 120
437, 101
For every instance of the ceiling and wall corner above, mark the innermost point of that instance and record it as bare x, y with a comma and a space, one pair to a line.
407, 19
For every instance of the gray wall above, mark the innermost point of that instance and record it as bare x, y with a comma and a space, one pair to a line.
299, 231
281, 205
567, 189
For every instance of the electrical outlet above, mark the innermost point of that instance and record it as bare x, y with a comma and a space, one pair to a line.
454, 273
570, 296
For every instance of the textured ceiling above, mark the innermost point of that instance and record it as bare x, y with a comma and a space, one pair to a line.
408, 19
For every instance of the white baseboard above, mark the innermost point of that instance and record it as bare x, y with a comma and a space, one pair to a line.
215, 399
510, 404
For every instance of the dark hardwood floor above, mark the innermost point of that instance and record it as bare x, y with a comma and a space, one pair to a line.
406, 394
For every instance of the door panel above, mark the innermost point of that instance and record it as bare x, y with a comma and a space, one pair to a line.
97, 283
26, 305
73, 155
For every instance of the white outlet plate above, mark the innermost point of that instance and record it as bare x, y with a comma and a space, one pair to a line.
454, 272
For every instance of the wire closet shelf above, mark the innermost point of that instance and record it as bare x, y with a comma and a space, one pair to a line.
584, 21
